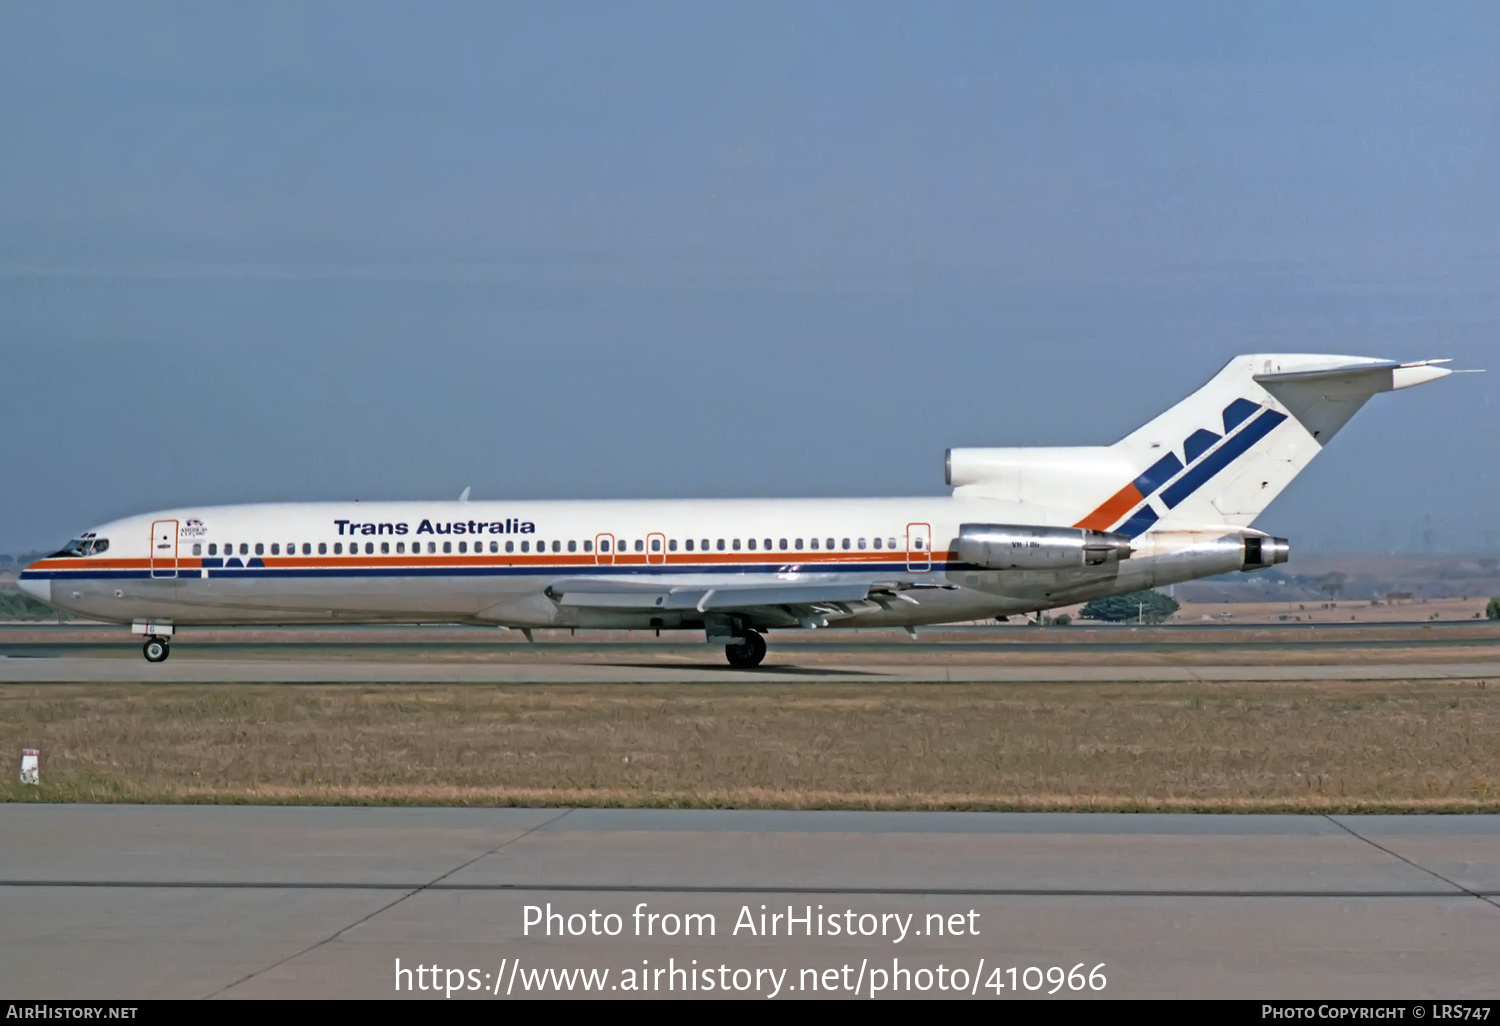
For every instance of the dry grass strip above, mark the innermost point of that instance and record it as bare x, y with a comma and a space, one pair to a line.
1323, 747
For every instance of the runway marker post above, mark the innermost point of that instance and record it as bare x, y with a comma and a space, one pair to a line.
29, 774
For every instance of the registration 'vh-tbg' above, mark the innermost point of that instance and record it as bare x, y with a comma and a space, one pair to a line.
1024, 530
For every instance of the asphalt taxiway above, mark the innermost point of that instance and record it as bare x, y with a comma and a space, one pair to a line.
636, 670
38, 654
195, 901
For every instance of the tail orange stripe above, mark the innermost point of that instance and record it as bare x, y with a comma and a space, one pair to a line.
1114, 508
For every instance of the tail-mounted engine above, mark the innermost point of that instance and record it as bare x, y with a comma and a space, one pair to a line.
1012, 547
1263, 552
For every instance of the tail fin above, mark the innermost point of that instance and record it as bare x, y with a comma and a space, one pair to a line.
1222, 454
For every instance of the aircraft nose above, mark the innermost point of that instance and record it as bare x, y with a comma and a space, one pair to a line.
37, 588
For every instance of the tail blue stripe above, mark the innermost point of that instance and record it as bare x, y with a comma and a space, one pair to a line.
1138, 524
1158, 474
1231, 450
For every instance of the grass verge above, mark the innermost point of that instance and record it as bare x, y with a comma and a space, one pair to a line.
1339, 747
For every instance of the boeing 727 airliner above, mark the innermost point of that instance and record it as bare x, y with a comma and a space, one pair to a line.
1024, 530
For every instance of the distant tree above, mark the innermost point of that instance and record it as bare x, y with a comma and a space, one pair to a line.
16, 605
1492, 611
1149, 606
1062, 619
1332, 583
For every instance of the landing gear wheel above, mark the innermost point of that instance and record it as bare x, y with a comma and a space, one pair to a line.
748, 653
156, 650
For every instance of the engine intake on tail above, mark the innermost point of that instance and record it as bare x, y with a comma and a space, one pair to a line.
1263, 552
1017, 547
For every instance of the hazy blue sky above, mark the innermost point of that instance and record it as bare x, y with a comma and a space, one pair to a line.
361, 250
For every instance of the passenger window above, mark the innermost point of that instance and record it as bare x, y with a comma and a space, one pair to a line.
688, 545
260, 549
655, 544
890, 543
603, 545
275, 549
721, 544
338, 548
768, 544
510, 546
244, 548
798, 544
494, 546
830, 545
877, 543
557, 546
400, 548
526, 546
463, 546
861, 544
783, 545
447, 547
307, 548
752, 545
385, 548
815, 544
639, 545
736, 545
322, 548
588, 546
672, 545
369, 548
197, 549
213, 548
916, 543
846, 544
572, 546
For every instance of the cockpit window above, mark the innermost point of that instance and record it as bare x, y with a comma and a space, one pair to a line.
85, 546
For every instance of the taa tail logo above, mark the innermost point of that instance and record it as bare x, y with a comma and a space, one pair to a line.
1171, 479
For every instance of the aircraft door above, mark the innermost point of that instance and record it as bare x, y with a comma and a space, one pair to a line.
164, 549
919, 547
604, 549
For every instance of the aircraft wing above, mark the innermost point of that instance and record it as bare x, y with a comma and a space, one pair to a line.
708, 593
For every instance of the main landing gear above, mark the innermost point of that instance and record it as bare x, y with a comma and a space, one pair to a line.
156, 650
748, 652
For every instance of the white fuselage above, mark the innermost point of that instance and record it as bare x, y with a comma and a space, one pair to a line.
488, 562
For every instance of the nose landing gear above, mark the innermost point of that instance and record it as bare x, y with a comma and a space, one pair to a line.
748, 653
156, 650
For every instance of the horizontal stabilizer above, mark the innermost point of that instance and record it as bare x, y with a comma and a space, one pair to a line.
1367, 377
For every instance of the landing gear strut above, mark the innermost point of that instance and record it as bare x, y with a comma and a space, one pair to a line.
748, 653
156, 650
